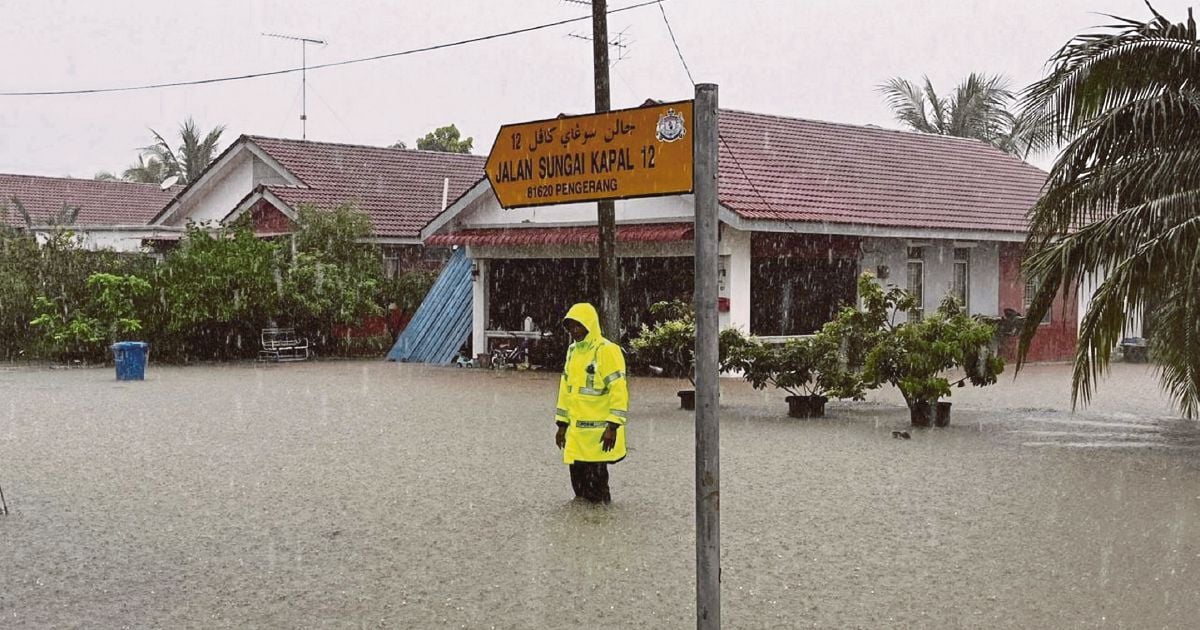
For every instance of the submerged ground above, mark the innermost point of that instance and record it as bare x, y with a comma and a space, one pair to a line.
368, 494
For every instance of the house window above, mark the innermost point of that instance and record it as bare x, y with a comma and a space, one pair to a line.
916, 281
392, 266
1031, 289
961, 289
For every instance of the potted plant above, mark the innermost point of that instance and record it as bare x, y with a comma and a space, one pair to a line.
916, 356
810, 370
669, 346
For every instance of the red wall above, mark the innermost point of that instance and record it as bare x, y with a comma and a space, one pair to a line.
269, 220
1054, 341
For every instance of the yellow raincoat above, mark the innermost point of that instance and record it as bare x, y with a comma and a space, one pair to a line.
592, 393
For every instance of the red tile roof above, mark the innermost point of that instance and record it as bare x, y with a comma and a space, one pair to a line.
645, 233
790, 169
100, 202
399, 189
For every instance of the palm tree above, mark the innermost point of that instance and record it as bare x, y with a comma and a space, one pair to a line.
146, 171
978, 108
159, 161
1123, 200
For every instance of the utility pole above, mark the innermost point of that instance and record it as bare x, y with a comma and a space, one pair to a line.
304, 42
708, 373
610, 274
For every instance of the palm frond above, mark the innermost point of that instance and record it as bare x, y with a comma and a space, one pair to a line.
1146, 255
1131, 60
908, 104
1178, 318
978, 107
938, 107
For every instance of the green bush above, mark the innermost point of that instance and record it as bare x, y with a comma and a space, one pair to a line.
809, 366
209, 298
670, 343
916, 356
85, 332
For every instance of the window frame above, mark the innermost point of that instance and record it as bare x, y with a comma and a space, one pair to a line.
1031, 289
962, 259
915, 256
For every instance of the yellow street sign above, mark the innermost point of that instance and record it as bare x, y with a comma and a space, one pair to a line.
641, 152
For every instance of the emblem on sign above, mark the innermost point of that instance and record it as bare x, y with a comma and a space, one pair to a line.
670, 126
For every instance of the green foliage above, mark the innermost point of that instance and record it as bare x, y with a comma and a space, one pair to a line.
1123, 200
83, 331
445, 139
915, 356
208, 299
333, 278
19, 261
810, 366
671, 342
58, 272
66, 335
158, 161
114, 301
408, 289
216, 292
981, 107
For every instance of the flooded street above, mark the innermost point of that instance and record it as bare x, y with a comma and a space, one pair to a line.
376, 495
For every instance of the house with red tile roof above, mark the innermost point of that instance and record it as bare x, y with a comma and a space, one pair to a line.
805, 207
400, 190
103, 214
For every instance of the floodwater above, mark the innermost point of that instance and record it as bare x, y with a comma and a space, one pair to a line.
375, 495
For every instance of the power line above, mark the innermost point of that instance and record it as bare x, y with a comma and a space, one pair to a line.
720, 137
256, 75
671, 31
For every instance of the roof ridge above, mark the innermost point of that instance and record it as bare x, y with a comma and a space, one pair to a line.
90, 180
367, 146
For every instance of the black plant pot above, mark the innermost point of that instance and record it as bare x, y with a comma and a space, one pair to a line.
921, 414
687, 399
806, 406
941, 417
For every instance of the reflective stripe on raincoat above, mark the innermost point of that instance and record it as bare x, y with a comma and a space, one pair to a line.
592, 392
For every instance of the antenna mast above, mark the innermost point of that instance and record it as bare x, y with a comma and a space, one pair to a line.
304, 42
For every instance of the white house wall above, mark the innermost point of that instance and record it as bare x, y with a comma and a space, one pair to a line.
117, 240
734, 249
939, 269
222, 195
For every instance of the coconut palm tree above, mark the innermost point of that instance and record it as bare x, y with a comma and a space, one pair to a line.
145, 171
1123, 200
159, 161
975, 109
980, 108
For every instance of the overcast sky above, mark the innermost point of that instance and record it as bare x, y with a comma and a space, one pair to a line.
819, 59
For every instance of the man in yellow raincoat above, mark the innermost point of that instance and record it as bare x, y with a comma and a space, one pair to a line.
593, 400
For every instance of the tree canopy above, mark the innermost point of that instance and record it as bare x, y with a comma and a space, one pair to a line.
444, 139
980, 107
158, 161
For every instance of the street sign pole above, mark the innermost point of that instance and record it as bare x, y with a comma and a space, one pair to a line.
606, 213
708, 477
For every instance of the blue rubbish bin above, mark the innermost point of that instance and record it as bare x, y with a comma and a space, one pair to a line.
130, 357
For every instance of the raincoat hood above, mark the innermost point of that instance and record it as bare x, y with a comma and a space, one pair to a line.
586, 314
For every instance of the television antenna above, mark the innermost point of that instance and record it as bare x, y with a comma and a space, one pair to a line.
620, 45
304, 42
